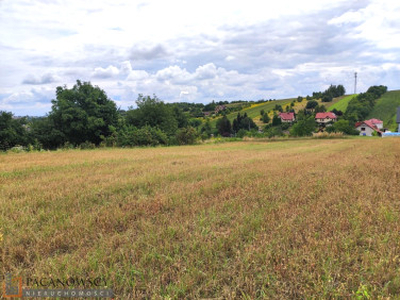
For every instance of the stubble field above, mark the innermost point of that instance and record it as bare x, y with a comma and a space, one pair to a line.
285, 219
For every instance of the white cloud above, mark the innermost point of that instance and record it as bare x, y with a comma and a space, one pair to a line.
378, 23
137, 75
108, 72
183, 93
28, 102
195, 50
208, 71
173, 74
44, 79
126, 67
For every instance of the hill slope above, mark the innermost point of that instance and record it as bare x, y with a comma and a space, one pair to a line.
254, 110
385, 109
341, 104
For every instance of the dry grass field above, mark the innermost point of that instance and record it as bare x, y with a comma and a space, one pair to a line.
286, 219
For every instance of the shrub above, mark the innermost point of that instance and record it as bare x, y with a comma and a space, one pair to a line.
145, 136
87, 145
265, 118
16, 149
285, 126
187, 136
311, 104
327, 135
273, 131
276, 120
241, 133
303, 127
67, 146
345, 127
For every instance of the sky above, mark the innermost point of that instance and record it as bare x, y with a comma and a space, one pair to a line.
194, 51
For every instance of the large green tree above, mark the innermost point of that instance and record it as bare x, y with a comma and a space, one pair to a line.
83, 113
224, 126
153, 112
311, 104
243, 122
276, 120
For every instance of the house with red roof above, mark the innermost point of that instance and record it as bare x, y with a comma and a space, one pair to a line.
325, 117
367, 128
287, 117
377, 123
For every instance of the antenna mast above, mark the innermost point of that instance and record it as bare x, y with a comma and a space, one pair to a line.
355, 83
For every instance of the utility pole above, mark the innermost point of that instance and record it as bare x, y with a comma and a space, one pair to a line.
355, 83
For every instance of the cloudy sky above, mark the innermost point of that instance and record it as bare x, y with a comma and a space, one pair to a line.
194, 51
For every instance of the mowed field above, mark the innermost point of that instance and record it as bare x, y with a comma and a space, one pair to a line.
342, 103
283, 219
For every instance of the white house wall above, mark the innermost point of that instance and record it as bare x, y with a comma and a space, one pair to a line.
368, 130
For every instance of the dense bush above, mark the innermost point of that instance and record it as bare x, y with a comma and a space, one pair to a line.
224, 126
344, 127
360, 107
276, 120
303, 127
273, 131
153, 112
265, 118
243, 122
12, 131
311, 104
145, 136
187, 136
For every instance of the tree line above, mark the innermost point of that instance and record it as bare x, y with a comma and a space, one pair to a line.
333, 91
83, 116
361, 106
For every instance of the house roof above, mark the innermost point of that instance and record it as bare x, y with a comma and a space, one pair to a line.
376, 121
369, 124
287, 116
324, 115
398, 115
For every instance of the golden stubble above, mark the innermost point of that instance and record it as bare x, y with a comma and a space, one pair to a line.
289, 219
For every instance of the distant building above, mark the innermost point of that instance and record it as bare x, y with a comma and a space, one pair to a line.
377, 123
325, 117
367, 128
287, 117
219, 108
